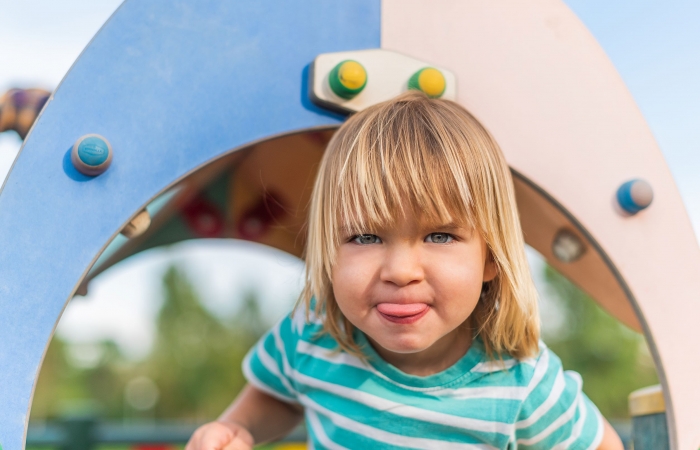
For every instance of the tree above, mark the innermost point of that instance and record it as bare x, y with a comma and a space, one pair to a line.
64, 388
612, 359
196, 360
195, 363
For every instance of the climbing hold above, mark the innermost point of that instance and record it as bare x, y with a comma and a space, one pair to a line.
347, 79
138, 225
91, 154
635, 195
567, 246
429, 80
82, 291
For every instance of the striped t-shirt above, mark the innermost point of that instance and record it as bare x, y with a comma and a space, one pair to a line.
475, 404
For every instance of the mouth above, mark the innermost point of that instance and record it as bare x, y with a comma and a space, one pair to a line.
402, 313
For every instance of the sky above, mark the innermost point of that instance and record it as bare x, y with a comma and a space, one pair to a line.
653, 44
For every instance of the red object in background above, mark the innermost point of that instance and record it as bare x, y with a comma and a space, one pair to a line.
318, 137
203, 218
255, 222
153, 447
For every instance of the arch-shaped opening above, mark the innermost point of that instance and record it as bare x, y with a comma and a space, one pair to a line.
260, 193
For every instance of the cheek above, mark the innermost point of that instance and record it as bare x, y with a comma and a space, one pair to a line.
458, 285
351, 277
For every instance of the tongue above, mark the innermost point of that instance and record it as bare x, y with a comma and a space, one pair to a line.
401, 310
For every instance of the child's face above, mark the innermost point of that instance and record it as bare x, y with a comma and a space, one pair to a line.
412, 285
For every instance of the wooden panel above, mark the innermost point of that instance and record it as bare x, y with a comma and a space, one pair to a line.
541, 220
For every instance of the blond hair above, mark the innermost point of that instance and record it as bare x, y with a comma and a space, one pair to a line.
430, 156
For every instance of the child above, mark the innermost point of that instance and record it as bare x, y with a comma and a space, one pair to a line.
419, 326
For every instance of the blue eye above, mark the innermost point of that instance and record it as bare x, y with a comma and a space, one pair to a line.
439, 238
366, 239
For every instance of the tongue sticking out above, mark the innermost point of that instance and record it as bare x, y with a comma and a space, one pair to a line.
401, 310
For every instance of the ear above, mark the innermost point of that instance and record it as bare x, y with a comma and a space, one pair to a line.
490, 268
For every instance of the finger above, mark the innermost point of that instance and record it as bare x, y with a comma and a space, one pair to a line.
215, 440
193, 443
238, 444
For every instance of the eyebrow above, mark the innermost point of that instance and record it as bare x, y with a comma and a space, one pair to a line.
446, 226
346, 230
450, 226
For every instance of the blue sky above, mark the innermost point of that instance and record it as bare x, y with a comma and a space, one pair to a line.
654, 45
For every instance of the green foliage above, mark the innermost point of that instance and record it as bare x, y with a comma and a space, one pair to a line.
66, 389
195, 364
612, 359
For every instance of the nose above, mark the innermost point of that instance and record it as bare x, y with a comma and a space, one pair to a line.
402, 265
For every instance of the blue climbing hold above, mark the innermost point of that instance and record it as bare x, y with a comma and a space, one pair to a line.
635, 195
91, 154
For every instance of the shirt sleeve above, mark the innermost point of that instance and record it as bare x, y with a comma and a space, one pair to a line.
556, 414
269, 365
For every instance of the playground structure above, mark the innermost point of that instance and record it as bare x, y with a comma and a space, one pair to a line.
214, 117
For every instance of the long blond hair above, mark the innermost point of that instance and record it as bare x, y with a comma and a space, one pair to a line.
415, 154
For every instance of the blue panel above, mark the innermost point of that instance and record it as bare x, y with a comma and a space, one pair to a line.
171, 85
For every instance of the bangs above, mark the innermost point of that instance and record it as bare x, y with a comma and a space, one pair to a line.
400, 167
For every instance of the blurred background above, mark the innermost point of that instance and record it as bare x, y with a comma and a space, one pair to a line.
158, 340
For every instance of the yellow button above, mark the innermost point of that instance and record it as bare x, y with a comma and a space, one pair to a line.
352, 75
432, 82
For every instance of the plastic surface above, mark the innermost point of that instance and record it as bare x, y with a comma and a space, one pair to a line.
537, 79
162, 80
387, 76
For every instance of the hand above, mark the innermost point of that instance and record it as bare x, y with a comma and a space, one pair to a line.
220, 436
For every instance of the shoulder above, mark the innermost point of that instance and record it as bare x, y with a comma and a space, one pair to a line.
546, 366
271, 364
299, 330
511, 371
283, 339
301, 324
545, 379
555, 412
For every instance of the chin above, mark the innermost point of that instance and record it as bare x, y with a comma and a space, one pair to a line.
403, 344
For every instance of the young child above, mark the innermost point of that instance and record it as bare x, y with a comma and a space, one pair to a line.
419, 324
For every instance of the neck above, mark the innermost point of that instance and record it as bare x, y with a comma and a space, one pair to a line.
444, 353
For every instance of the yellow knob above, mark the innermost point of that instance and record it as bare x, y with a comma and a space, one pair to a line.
348, 78
429, 80
352, 75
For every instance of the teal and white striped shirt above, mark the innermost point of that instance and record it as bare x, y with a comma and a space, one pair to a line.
475, 404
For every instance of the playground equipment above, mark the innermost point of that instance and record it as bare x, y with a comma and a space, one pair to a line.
206, 112
19, 108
